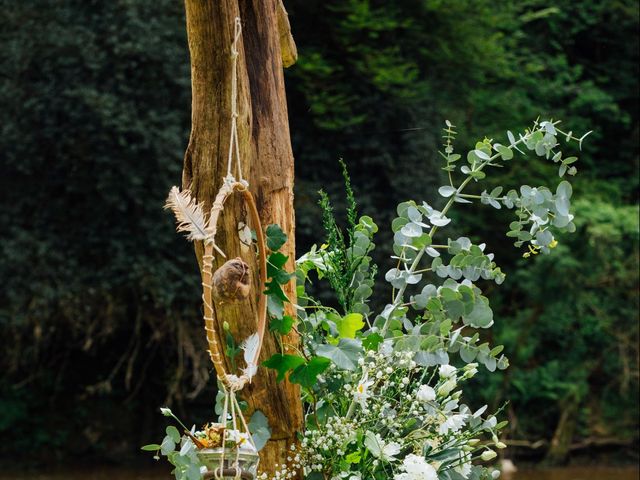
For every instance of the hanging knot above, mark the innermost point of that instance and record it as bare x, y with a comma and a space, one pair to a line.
236, 383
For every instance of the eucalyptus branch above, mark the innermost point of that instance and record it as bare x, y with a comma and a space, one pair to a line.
400, 292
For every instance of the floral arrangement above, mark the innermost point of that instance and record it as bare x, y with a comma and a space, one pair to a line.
383, 390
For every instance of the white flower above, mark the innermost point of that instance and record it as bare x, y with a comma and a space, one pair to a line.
464, 468
447, 371
470, 369
488, 455
389, 451
362, 391
446, 388
416, 468
452, 424
381, 449
426, 394
348, 476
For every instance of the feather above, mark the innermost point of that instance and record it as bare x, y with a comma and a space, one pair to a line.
250, 346
188, 212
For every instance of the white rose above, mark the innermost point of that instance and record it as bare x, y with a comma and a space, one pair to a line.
447, 371
426, 394
416, 468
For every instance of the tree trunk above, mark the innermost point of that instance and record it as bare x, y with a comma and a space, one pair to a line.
267, 163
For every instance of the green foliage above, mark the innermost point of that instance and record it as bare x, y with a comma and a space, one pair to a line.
275, 237
569, 319
488, 64
277, 276
283, 363
96, 287
185, 460
345, 262
281, 325
259, 428
94, 124
358, 387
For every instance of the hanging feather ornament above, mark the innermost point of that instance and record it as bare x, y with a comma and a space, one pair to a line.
188, 212
251, 347
231, 282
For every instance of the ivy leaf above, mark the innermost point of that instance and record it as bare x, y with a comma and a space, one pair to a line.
349, 325
345, 355
281, 325
259, 428
275, 290
275, 237
371, 342
283, 363
275, 265
277, 260
307, 375
353, 457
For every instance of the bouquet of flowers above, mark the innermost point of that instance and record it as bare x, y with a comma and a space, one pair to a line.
383, 390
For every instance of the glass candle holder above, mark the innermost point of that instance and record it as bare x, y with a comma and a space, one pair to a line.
243, 460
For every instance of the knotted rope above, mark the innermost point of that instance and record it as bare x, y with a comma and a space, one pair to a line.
234, 145
232, 383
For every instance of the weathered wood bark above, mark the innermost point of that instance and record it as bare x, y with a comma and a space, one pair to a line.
267, 164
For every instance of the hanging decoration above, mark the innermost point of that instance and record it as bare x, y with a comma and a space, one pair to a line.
229, 283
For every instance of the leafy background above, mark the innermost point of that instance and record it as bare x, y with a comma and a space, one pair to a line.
99, 310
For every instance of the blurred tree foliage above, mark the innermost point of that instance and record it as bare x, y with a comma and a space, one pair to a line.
96, 306
99, 307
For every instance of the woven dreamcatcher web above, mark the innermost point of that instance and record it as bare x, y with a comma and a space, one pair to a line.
191, 219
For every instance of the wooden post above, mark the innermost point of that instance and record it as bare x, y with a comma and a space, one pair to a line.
267, 163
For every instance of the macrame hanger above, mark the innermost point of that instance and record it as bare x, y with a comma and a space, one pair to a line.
232, 383
234, 145
192, 219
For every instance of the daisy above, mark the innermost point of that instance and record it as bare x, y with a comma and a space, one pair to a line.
361, 393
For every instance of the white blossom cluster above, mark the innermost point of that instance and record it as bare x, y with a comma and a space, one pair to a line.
386, 420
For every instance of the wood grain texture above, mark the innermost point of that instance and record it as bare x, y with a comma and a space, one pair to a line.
265, 148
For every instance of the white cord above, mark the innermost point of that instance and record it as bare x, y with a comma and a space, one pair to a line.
234, 146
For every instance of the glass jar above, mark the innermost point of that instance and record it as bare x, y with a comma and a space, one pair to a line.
244, 460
